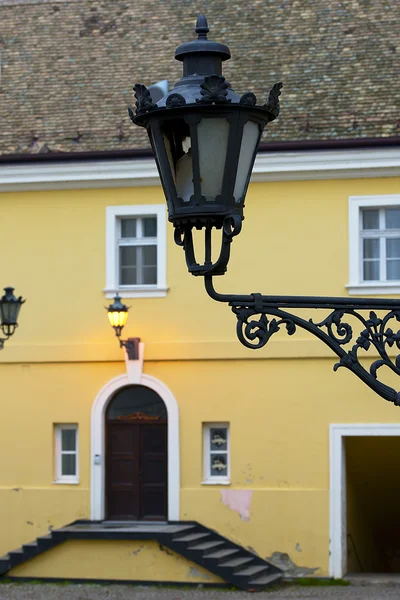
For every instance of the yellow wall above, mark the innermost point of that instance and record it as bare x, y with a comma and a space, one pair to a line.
123, 560
279, 401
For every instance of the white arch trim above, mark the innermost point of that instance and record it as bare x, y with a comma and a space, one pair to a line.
97, 457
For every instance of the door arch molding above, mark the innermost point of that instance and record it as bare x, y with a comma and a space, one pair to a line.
97, 453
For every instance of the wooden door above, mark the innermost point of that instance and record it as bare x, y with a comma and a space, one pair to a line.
136, 471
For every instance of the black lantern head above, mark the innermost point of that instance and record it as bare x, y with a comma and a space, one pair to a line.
117, 315
205, 138
9, 310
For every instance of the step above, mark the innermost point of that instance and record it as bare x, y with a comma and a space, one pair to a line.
265, 580
237, 562
45, 541
31, 549
16, 557
250, 571
206, 545
4, 564
222, 553
191, 537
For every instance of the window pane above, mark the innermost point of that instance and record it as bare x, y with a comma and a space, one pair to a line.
128, 228
392, 218
149, 256
219, 466
68, 439
149, 261
370, 219
393, 248
128, 263
393, 269
149, 275
371, 270
371, 248
218, 438
150, 227
68, 464
128, 256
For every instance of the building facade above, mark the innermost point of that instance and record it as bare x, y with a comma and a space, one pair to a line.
200, 461
248, 443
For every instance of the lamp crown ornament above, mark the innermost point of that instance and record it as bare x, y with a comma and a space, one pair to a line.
205, 138
201, 27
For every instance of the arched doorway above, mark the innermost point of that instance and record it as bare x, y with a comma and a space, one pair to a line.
98, 420
136, 466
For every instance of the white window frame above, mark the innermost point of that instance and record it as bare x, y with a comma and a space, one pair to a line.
215, 479
356, 285
113, 216
60, 478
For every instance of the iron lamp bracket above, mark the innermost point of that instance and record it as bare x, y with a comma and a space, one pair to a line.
131, 346
259, 317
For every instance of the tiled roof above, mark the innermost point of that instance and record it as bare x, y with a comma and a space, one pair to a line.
68, 66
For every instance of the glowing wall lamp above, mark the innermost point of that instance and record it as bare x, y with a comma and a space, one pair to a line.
118, 316
9, 310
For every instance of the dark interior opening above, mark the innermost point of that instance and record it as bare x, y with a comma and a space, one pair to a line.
372, 497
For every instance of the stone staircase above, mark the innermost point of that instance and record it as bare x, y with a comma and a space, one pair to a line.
203, 546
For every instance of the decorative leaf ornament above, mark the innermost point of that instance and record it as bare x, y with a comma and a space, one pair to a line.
144, 103
175, 100
272, 104
248, 99
214, 89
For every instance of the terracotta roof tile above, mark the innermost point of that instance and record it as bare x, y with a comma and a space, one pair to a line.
67, 67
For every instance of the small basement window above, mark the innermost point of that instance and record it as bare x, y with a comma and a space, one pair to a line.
66, 453
216, 444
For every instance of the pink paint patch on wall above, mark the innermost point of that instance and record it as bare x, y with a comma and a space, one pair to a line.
239, 501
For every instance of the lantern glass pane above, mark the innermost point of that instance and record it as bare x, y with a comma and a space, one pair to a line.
168, 150
184, 171
9, 312
177, 144
118, 318
251, 135
4, 312
213, 137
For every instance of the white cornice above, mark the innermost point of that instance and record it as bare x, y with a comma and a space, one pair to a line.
277, 166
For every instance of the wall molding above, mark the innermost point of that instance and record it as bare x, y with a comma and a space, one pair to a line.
168, 351
271, 166
285, 348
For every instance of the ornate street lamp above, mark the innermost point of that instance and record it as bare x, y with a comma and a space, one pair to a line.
205, 138
10, 306
118, 316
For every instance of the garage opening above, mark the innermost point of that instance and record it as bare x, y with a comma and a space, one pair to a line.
372, 504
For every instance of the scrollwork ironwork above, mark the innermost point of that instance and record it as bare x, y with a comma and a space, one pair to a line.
260, 317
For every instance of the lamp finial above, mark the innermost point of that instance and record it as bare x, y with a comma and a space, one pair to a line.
201, 27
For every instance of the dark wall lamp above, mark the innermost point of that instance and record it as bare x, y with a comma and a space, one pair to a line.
205, 139
10, 306
118, 316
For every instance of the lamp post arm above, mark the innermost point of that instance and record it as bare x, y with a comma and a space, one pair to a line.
254, 328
